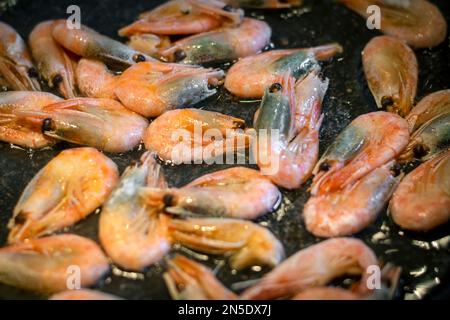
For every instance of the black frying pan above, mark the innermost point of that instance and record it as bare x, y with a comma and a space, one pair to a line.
425, 258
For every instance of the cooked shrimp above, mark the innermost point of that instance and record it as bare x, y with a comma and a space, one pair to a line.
417, 22
370, 141
422, 200
429, 107
352, 209
100, 123
130, 231
246, 243
189, 280
54, 64
315, 266
236, 193
181, 17
45, 265
391, 71
265, 4
250, 76
430, 124
149, 44
66, 190
326, 293
22, 131
83, 294
222, 45
88, 43
16, 67
150, 88
288, 158
193, 126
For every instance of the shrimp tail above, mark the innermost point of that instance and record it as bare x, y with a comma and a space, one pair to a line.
327, 51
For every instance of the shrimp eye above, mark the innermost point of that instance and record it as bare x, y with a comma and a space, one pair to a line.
32, 73
228, 8
57, 79
238, 124
139, 58
47, 124
396, 169
386, 102
324, 166
20, 219
275, 87
179, 55
168, 200
420, 150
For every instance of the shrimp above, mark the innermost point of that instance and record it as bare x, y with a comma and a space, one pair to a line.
391, 71
193, 126
66, 190
352, 209
370, 141
236, 193
16, 67
130, 231
250, 76
246, 243
266, 4
54, 64
150, 88
417, 22
222, 45
189, 280
83, 294
326, 293
430, 124
149, 44
181, 17
89, 43
41, 265
22, 131
422, 200
315, 266
288, 158
100, 123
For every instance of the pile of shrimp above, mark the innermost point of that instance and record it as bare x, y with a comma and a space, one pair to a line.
107, 96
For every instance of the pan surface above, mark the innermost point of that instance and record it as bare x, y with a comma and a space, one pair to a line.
425, 258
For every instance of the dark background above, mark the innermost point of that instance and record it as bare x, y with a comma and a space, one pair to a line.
424, 258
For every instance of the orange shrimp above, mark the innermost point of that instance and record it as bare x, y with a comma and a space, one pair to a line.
353, 208
221, 45
428, 108
44, 265
315, 266
83, 294
21, 131
88, 43
235, 193
70, 187
246, 243
417, 22
288, 157
193, 126
181, 17
54, 64
16, 67
130, 231
189, 280
149, 44
250, 76
391, 71
422, 200
150, 88
371, 140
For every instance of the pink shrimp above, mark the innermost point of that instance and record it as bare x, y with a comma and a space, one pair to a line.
250, 76
417, 22
371, 140
181, 17
288, 157
222, 45
422, 200
315, 266
391, 71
